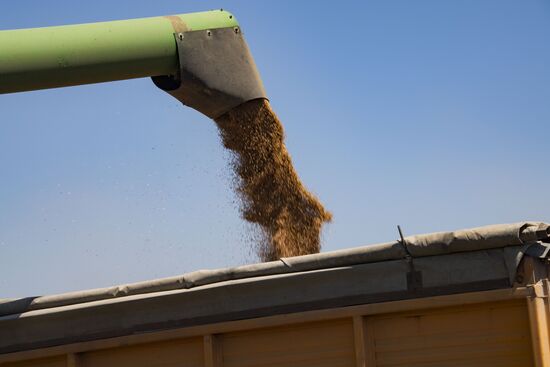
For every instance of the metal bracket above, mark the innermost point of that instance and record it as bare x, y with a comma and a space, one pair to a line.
217, 72
539, 289
538, 249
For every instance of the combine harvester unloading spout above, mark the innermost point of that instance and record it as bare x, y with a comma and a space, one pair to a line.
201, 58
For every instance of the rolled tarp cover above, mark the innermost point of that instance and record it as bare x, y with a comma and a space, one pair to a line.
421, 246
480, 238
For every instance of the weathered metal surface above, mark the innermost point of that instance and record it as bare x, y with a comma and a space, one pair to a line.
217, 71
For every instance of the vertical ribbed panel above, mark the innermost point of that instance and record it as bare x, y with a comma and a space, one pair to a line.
314, 344
484, 335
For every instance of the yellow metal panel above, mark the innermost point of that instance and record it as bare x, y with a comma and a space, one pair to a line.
60, 361
182, 352
273, 321
494, 334
317, 344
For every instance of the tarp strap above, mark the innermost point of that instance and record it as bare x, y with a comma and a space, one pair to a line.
414, 277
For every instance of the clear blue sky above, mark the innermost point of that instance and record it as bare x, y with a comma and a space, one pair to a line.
430, 114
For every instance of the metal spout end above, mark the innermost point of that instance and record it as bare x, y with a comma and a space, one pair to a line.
217, 72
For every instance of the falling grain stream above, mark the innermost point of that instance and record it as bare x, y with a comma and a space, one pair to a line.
290, 218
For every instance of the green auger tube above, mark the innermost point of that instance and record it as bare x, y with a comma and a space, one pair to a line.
199, 58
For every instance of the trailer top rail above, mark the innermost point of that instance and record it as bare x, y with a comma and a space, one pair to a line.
471, 260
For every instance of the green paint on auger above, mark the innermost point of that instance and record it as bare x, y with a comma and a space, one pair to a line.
40, 58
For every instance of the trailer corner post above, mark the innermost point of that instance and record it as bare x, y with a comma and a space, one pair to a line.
539, 316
